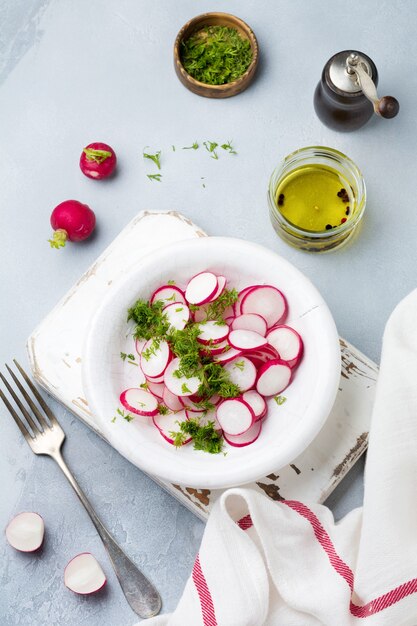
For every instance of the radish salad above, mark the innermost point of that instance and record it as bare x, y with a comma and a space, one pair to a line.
210, 356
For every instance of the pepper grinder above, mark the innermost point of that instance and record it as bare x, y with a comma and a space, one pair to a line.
346, 98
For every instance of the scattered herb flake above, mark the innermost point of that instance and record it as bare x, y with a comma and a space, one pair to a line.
280, 400
171, 282
156, 158
144, 385
173, 148
211, 147
240, 365
154, 177
113, 420
125, 415
162, 409
195, 146
185, 388
228, 146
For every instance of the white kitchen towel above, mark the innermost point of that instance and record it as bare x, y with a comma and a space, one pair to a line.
288, 564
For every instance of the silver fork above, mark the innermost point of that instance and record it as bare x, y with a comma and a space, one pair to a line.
47, 438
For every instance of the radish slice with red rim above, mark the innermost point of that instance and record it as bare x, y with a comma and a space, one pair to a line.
227, 356
168, 294
156, 389
171, 401
287, 342
139, 345
246, 340
221, 286
250, 321
155, 358
251, 435
273, 377
84, 575
235, 416
205, 418
180, 386
167, 424
257, 402
25, 531
212, 332
178, 315
201, 288
139, 401
237, 305
267, 301
217, 348
242, 373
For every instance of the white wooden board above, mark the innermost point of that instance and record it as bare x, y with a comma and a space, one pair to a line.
55, 352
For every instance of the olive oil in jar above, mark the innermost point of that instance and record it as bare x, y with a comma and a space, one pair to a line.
315, 198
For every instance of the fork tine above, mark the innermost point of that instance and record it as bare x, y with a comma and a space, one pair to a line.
16, 418
35, 392
28, 417
42, 421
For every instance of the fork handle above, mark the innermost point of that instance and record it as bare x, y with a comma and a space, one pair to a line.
140, 593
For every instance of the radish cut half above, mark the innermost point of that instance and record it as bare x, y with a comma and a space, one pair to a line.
251, 435
178, 314
235, 416
201, 288
167, 424
267, 301
287, 342
84, 575
242, 373
139, 401
25, 532
250, 321
257, 402
155, 358
180, 386
168, 294
212, 332
273, 377
246, 340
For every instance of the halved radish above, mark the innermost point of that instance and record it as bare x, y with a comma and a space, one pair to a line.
212, 332
139, 401
287, 342
273, 377
267, 301
237, 305
157, 389
250, 321
25, 531
242, 373
246, 340
226, 357
155, 358
166, 424
248, 437
221, 286
180, 386
168, 294
178, 315
84, 575
257, 402
235, 416
171, 400
201, 288
139, 345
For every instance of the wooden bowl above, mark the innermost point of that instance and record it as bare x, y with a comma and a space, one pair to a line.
215, 91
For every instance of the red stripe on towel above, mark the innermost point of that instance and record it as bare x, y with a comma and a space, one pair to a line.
366, 610
206, 601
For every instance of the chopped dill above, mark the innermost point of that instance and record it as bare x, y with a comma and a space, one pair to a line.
228, 147
151, 322
280, 400
163, 410
126, 416
205, 438
156, 158
171, 282
211, 147
154, 177
195, 146
216, 309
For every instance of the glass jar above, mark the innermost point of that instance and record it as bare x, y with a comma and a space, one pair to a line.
320, 240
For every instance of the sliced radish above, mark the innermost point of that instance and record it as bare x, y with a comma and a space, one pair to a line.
248, 437
205, 418
246, 340
212, 332
226, 357
166, 424
201, 288
257, 402
273, 377
216, 348
181, 386
171, 400
84, 575
139, 401
178, 315
221, 286
242, 373
250, 321
139, 345
156, 389
267, 353
191, 405
25, 531
287, 342
267, 301
237, 305
235, 416
155, 358
168, 294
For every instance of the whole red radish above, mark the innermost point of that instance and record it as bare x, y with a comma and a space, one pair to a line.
71, 220
98, 160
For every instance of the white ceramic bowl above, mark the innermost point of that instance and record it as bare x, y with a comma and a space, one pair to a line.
287, 430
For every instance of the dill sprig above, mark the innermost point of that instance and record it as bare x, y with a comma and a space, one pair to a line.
156, 158
154, 177
151, 322
195, 146
216, 55
216, 309
205, 438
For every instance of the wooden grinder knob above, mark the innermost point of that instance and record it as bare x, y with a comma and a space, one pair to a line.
387, 107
